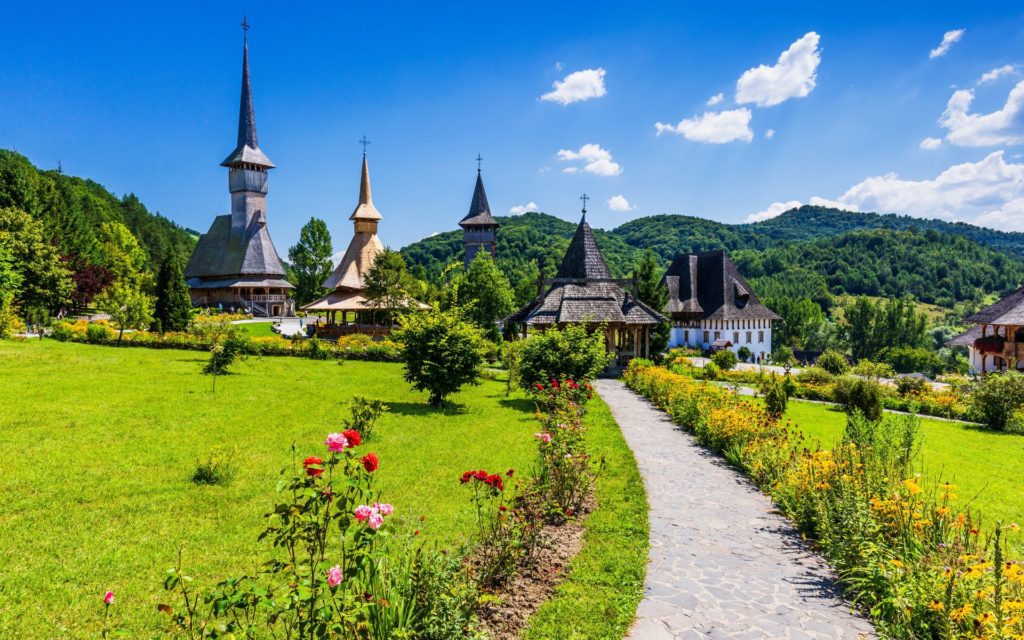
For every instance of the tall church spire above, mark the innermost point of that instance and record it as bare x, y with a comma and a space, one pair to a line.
479, 228
365, 211
248, 148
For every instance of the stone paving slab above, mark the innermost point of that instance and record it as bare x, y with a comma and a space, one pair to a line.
723, 563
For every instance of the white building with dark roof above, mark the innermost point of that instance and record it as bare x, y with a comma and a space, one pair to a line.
996, 341
235, 264
712, 306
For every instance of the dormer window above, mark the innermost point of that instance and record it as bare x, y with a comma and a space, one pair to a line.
741, 294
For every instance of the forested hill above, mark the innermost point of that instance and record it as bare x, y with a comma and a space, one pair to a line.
72, 210
808, 252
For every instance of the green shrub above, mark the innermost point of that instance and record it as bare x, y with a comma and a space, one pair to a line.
62, 331
97, 333
910, 386
711, 371
833, 362
913, 360
512, 359
725, 359
816, 375
570, 353
315, 350
217, 469
859, 395
869, 369
997, 398
224, 354
744, 353
441, 352
775, 398
364, 415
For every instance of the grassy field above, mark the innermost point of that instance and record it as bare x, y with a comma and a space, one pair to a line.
100, 444
258, 329
985, 465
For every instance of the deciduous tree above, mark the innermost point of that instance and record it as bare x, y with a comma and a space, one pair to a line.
311, 260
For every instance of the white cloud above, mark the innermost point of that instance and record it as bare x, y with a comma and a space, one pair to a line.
998, 72
714, 128
577, 86
715, 99
1009, 217
948, 40
793, 76
524, 208
774, 210
769, 134
559, 66
967, 191
1005, 126
930, 144
595, 160
833, 204
619, 203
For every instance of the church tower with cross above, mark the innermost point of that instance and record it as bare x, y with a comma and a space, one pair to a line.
235, 264
479, 228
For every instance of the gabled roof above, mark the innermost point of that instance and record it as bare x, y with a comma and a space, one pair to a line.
1009, 310
247, 150
591, 302
362, 250
583, 258
365, 209
709, 284
218, 255
479, 210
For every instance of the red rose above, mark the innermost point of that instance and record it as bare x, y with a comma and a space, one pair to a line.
502, 508
510, 472
539, 386
370, 462
312, 470
353, 437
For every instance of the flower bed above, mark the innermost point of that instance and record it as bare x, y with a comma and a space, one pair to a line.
917, 566
348, 347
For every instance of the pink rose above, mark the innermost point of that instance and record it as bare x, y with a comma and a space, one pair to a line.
363, 512
385, 508
375, 520
543, 437
336, 442
108, 597
334, 576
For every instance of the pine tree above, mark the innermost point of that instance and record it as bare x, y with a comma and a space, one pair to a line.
651, 292
311, 260
173, 305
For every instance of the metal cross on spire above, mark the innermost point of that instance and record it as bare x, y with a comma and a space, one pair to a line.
364, 141
584, 198
245, 27
479, 160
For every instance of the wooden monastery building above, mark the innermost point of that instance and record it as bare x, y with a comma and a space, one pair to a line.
712, 307
996, 341
234, 265
345, 308
584, 291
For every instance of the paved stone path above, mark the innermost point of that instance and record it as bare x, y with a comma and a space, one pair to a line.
723, 562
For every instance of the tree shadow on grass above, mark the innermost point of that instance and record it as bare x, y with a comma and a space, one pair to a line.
520, 404
424, 408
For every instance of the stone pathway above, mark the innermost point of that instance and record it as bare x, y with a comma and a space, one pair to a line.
723, 562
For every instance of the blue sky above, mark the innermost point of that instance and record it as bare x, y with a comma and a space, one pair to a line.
144, 99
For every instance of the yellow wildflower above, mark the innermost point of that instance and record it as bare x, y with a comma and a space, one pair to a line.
937, 606
961, 613
912, 487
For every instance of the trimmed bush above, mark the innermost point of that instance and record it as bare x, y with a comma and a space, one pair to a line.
725, 359
997, 398
859, 395
833, 362
558, 354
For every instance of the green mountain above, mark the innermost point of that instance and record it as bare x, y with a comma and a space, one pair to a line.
810, 252
72, 210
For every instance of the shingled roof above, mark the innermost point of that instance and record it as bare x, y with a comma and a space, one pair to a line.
583, 258
1009, 310
584, 291
479, 210
218, 255
362, 250
247, 150
709, 284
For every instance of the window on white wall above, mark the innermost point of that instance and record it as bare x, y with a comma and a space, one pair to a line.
760, 336
735, 337
718, 334
706, 336
749, 336
686, 337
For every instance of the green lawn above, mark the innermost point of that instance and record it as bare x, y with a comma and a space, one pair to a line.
985, 465
257, 329
99, 444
